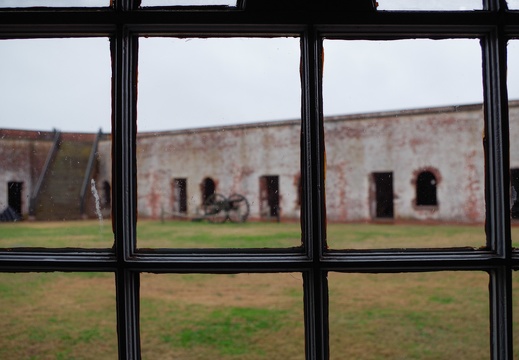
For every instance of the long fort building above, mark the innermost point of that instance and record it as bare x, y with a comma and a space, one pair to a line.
422, 164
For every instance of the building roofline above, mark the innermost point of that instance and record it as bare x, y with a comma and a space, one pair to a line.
21, 134
349, 117
410, 112
42, 135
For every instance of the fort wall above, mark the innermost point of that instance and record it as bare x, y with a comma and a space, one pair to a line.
262, 162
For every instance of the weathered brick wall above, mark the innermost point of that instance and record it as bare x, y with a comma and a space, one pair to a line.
22, 155
234, 157
446, 141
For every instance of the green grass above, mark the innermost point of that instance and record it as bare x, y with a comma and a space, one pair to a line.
186, 234
429, 315
372, 236
86, 234
228, 330
246, 316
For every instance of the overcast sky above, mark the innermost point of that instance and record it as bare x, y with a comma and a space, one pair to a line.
186, 83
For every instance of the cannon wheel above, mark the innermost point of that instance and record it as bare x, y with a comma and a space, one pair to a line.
215, 208
238, 208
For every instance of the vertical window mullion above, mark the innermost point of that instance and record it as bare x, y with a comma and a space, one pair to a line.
124, 67
501, 313
497, 190
128, 329
316, 315
313, 224
496, 143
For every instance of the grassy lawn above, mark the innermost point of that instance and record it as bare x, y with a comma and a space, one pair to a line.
185, 234
245, 316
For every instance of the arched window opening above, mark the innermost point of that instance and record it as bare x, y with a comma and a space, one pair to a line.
208, 189
426, 189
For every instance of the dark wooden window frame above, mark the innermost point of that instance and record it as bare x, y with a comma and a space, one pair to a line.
311, 20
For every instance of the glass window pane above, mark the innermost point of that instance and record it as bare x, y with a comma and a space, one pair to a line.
434, 5
53, 3
145, 3
55, 142
245, 316
409, 316
404, 149
218, 148
57, 316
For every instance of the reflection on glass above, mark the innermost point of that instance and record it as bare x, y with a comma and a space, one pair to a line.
438, 5
409, 316
246, 316
404, 149
145, 3
513, 112
53, 3
57, 316
55, 143
218, 148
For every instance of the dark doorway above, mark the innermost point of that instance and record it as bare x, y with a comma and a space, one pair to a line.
107, 198
14, 197
426, 189
269, 196
514, 193
208, 189
180, 195
383, 194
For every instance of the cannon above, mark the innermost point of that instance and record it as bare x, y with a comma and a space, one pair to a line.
218, 209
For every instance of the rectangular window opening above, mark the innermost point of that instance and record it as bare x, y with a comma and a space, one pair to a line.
180, 196
269, 197
382, 184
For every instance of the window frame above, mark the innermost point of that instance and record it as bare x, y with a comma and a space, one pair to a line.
312, 21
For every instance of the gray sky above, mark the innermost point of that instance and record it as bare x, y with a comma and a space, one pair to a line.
187, 83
